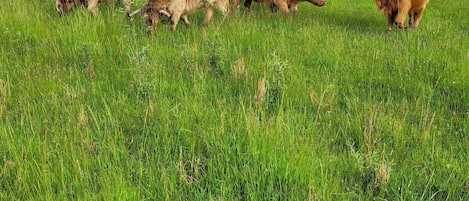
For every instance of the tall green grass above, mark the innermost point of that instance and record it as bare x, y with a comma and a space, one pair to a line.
91, 108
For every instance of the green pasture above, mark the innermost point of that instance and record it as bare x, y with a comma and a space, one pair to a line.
327, 106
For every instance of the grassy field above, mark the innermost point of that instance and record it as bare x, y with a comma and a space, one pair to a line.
253, 107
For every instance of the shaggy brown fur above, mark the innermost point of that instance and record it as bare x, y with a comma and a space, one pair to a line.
397, 10
284, 5
248, 3
65, 6
179, 9
153, 11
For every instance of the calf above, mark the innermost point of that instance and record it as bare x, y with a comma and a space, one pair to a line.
397, 10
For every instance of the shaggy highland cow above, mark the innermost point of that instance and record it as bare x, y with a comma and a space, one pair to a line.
178, 9
284, 5
65, 6
397, 10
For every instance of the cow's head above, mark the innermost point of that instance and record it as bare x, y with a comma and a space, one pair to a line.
152, 13
64, 6
318, 2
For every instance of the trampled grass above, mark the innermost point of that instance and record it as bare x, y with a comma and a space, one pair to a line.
91, 108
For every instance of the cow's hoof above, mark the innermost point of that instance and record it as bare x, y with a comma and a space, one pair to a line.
400, 25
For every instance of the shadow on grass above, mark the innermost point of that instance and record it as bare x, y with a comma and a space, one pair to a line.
355, 22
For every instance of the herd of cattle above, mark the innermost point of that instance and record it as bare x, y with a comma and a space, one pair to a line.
395, 11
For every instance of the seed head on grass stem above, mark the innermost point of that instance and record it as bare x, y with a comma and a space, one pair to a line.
3, 96
239, 69
261, 91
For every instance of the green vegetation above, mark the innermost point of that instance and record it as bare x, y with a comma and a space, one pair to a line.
253, 107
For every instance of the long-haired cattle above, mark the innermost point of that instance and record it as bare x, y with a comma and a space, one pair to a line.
397, 10
65, 6
179, 9
284, 5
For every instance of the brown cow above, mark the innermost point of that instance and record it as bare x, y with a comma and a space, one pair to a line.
65, 6
247, 5
284, 5
179, 9
397, 10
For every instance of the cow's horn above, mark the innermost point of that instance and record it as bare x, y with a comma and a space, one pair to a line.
135, 12
165, 13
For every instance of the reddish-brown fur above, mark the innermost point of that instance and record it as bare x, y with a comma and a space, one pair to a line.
152, 14
284, 5
397, 10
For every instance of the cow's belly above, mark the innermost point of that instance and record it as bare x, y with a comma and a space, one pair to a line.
416, 4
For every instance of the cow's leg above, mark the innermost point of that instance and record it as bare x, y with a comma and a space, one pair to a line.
416, 17
404, 7
174, 21
391, 18
93, 6
235, 4
294, 8
186, 21
283, 6
208, 15
247, 4
411, 18
390, 24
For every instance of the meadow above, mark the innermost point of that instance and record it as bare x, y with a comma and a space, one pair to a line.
327, 106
